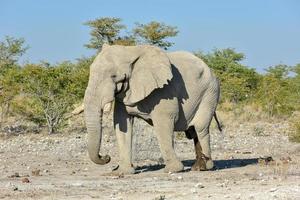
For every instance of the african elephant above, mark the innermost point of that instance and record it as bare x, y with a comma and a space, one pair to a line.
171, 91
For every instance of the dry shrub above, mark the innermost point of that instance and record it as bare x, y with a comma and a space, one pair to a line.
295, 125
238, 113
226, 106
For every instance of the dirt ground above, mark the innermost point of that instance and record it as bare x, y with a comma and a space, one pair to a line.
252, 161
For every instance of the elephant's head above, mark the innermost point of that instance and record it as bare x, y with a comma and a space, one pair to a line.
128, 73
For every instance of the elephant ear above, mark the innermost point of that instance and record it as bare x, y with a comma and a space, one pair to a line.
151, 70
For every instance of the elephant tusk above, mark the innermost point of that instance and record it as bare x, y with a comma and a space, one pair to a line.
107, 107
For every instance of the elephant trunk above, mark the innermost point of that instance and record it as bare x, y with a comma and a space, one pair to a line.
93, 119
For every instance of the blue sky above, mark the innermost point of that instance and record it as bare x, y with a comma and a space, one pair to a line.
268, 32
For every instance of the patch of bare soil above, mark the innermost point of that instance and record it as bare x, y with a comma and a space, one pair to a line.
252, 161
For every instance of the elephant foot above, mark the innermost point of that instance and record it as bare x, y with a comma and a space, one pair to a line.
173, 167
202, 165
123, 171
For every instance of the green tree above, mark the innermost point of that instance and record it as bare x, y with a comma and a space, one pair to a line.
10, 51
80, 76
296, 70
104, 30
155, 33
278, 71
53, 90
274, 92
10, 82
126, 41
294, 86
294, 99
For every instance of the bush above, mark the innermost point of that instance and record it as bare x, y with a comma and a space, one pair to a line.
52, 91
28, 108
10, 83
295, 124
276, 92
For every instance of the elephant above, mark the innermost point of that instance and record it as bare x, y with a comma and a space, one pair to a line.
171, 91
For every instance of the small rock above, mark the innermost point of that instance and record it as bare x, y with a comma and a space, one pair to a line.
222, 184
265, 160
35, 172
179, 177
263, 182
161, 197
160, 160
78, 184
25, 180
15, 175
246, 152
273, 189
199, 185
193, 190
121, 175
285, 160
12, 187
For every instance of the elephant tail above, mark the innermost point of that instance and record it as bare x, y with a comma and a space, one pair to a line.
218, 123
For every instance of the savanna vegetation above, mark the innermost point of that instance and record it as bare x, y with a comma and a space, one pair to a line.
46, 94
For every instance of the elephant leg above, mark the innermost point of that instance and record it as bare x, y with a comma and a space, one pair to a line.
164, 129
203, 152
190, 133
200, 163
201, 123
123, 127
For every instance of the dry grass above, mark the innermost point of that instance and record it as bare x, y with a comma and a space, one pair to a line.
234, 114
246, 112
229, 114
295, 125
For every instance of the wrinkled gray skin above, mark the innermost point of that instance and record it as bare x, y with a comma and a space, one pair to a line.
171, 91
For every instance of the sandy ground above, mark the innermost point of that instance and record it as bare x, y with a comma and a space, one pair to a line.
252, 160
